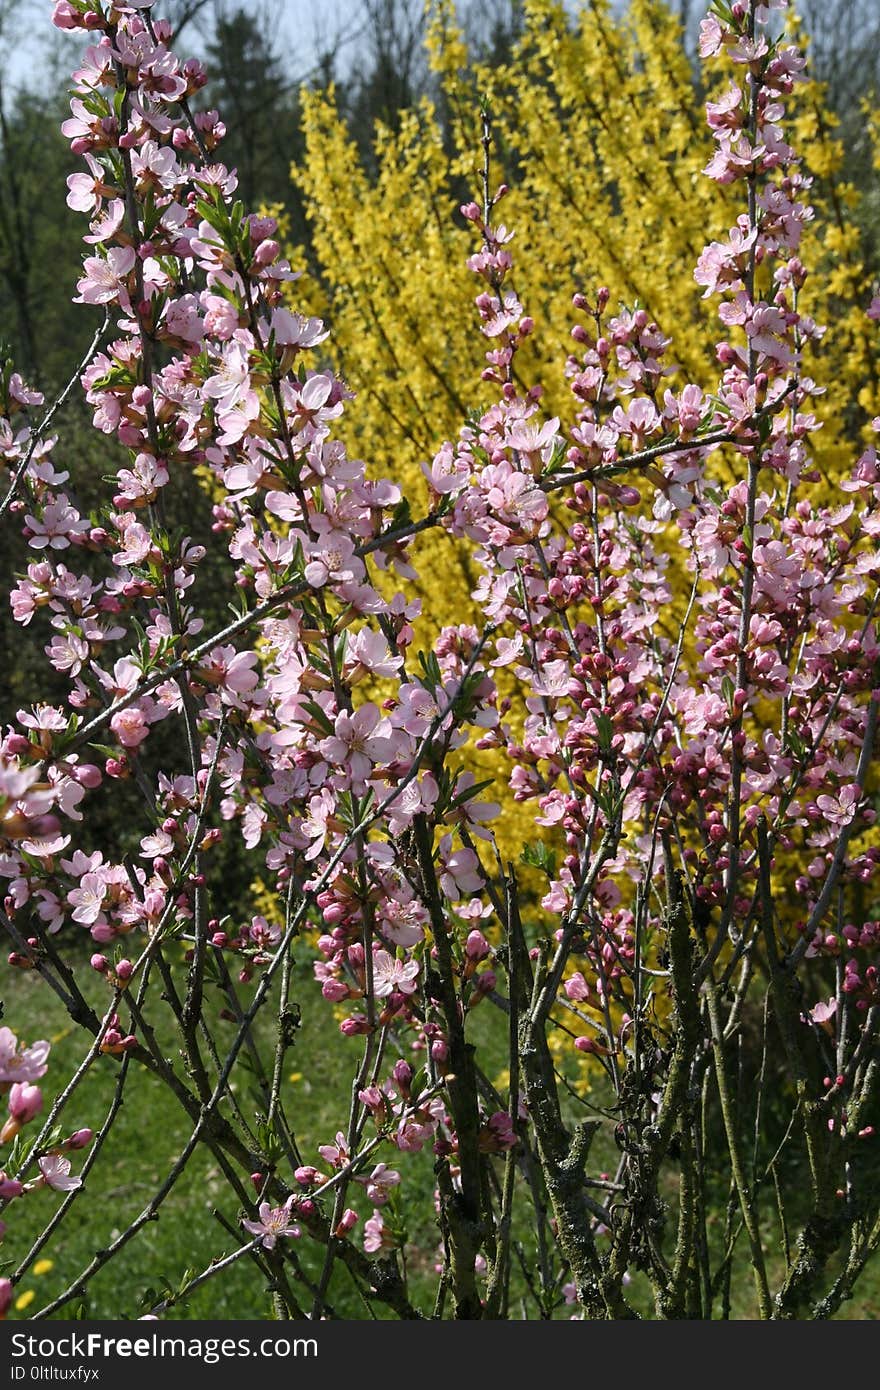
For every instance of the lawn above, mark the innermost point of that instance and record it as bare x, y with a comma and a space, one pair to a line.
152, 1128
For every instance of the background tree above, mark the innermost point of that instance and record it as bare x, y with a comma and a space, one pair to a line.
259, 101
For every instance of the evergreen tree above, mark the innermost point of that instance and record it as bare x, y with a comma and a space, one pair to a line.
259, 104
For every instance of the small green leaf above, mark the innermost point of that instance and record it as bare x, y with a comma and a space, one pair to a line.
539, 856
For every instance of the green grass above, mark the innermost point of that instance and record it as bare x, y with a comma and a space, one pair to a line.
152, 1128
148, 1134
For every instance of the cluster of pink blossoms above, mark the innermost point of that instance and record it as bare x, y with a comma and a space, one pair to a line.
211, 367
762, 713
624, 724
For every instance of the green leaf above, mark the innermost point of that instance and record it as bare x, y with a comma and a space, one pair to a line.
401, 516
432, 677
417, 1085
106, 750
604, 731
538, 855
469, 793
795, 743
320, 716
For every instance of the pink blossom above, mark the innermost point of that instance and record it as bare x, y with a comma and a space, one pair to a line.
55, 1169
377, 1234
840, 809
338, 1154
460, 876
576, 987
824, 1012
21, 1064
57, 526
105, 277
274, 1224
361, 740
130, 726
390, 974
379, 1183
368, 651
331, 559
231, 384
296, 330
86, 190
87, 901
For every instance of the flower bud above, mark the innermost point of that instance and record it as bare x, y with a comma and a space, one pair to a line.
348, 1222
25, 1101
306, 1175
402, 1073
476, 947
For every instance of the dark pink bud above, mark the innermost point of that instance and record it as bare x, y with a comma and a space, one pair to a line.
403, 1074
266, 253
348, 1222
25, 1101
476, 946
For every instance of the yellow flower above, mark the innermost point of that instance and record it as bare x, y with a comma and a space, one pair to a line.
43, 1266
24, 1300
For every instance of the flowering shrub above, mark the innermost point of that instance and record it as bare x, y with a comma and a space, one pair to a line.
599, 117
697, 766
